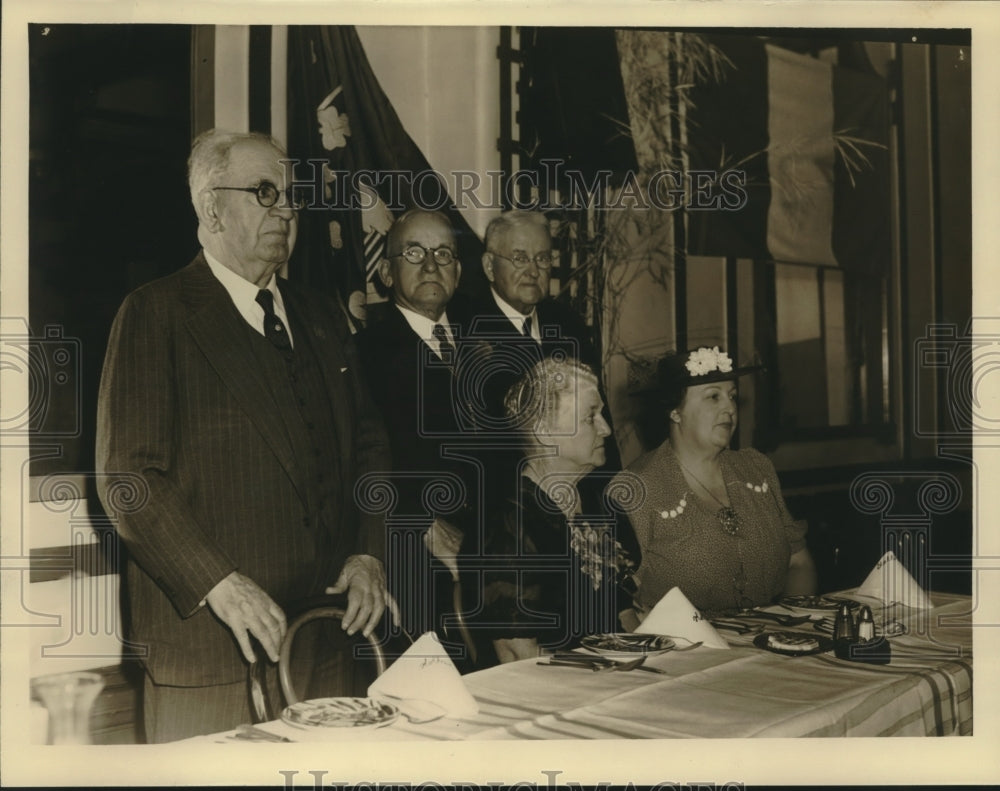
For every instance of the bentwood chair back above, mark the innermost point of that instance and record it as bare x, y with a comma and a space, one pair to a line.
457, 618
348, 654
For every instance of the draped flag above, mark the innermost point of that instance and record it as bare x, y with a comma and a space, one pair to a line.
349, 146
811, 137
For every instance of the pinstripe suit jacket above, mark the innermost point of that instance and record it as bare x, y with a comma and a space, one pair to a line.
199, 471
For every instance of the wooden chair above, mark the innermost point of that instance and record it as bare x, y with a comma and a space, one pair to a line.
319, 608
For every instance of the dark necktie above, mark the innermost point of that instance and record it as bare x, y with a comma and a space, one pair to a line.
444, 344
527, 328
274, 329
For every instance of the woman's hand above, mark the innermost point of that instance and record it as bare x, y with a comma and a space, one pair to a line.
443, 540
801, 574
515, 648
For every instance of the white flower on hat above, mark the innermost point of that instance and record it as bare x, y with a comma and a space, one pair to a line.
704, 360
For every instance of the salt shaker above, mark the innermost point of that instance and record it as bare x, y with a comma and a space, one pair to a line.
843, 625
866, 625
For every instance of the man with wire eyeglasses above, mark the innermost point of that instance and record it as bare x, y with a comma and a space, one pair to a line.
233, 407
518, 314
413, 358
523, 323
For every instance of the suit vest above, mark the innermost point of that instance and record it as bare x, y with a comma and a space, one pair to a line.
301, 393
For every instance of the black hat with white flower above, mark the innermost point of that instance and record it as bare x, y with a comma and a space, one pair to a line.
680, 370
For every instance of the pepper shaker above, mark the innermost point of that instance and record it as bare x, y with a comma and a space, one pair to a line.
843, 625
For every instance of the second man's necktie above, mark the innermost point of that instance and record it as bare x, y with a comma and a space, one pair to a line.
446, 347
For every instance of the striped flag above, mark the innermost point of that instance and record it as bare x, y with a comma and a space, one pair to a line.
340, 117
811, 138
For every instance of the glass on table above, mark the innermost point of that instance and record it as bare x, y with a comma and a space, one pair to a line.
69, 698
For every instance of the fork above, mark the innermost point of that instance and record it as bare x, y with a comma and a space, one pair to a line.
739, 628
691, 647
630, 665
596, 663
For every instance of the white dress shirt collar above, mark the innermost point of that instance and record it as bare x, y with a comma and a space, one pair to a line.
517, 318
244, 295
424, 327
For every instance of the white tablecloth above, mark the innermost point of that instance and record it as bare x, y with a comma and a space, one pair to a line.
742, 692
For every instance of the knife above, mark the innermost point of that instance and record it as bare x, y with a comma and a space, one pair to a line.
253, 734
582, 660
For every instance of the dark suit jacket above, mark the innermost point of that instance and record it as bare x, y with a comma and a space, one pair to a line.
418, 395
561, 329
434, 439
200, 473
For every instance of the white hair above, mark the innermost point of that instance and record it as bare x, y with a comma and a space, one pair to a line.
536, 398
210, 154
508, 221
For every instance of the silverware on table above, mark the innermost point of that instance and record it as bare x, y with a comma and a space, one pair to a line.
649, 669
571, 663
738, 627
415, 710
691, 647
254, 734
598, 664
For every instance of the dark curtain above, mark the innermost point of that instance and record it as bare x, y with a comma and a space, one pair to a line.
728, 127
339, 115
573, 102
862, 235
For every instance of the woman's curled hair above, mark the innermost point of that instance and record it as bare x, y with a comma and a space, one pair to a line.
535, 397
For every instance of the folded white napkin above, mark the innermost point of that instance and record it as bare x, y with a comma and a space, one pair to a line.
425, 672
674, 615
891, 583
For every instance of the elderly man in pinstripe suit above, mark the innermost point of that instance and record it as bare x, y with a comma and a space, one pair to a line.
236, 400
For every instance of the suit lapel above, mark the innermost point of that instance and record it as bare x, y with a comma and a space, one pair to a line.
491, 324
421, 374
217, 328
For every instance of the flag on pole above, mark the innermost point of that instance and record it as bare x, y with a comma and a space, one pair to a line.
345, 135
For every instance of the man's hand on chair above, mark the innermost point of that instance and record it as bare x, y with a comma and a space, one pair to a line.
243, 606
367, 596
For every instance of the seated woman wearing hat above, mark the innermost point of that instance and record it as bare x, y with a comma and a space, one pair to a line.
712, 521
555, 572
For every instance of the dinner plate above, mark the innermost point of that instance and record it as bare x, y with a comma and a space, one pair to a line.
817, 603
825, 644
340, 713
627, 643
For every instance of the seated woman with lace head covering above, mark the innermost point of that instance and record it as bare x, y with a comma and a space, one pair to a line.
555, 572
712, 520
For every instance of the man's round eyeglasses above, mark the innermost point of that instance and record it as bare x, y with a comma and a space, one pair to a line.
543, 260
267, 195
415, 254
